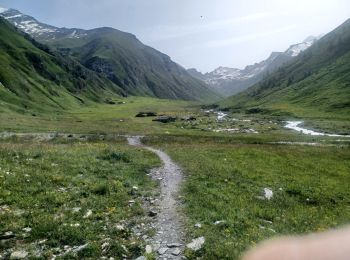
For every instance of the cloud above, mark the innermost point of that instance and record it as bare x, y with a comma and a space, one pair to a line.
247, 37
162, 33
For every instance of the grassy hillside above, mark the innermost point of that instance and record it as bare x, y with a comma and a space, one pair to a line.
32, 76
137, 68
316, 83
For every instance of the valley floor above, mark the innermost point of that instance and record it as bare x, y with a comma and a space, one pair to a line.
87, 193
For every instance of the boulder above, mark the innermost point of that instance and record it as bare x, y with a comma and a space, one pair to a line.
165, 119
146, 114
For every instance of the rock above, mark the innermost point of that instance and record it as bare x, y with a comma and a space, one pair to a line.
188, 118
219, 222
268, 193
146, 114
172, 245
7, 235
19, 255
162, 250
176, 252
152, 213
165, 119
76, 209
141, 258
80, 248
135, 188
196, 244
119, 227
149, 249
198, 225
88, 214
27, 229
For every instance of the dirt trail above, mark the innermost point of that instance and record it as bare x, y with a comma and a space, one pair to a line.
168, 242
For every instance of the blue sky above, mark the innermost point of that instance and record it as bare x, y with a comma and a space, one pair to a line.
203, 34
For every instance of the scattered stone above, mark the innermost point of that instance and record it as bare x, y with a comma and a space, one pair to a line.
176, 252
141, 258
104, 246
165, 119
19, 255
88, 214
198, 225
219, 222
196, 244
152, 213
162, 250
80, 248
268, 193
149, 249
120, 227
7, 235
27, 229
172, 245
76, 209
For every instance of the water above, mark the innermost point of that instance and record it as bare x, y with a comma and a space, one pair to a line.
294, 125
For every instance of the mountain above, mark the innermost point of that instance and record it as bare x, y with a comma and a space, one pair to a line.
316, 81
119, 56
230, 81
33, 76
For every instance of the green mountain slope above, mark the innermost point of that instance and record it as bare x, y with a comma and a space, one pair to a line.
137, 68
316, 82
33, 76
121, 57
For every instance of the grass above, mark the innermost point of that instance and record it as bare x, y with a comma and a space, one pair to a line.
72, 193
224, 182
98, 118
46, 181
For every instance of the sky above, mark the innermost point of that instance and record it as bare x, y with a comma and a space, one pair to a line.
201, 34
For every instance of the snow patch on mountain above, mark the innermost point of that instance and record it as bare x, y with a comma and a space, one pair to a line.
3, 9
296, 49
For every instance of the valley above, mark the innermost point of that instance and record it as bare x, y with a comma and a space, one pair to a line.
111, 150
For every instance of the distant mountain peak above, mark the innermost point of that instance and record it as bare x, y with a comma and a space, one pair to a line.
229, 81
3, 9
296, 49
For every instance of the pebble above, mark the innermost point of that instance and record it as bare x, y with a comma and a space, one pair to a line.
148, 249
198, 225
162, 250
176, 252
88, 214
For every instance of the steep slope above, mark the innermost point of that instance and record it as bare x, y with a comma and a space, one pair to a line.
317, 81
121, 57
230, 81
33, 76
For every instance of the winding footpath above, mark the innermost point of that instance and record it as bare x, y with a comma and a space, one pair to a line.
168, 242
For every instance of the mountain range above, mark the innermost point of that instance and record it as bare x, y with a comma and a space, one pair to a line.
315, 82
230, 81
131, 67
